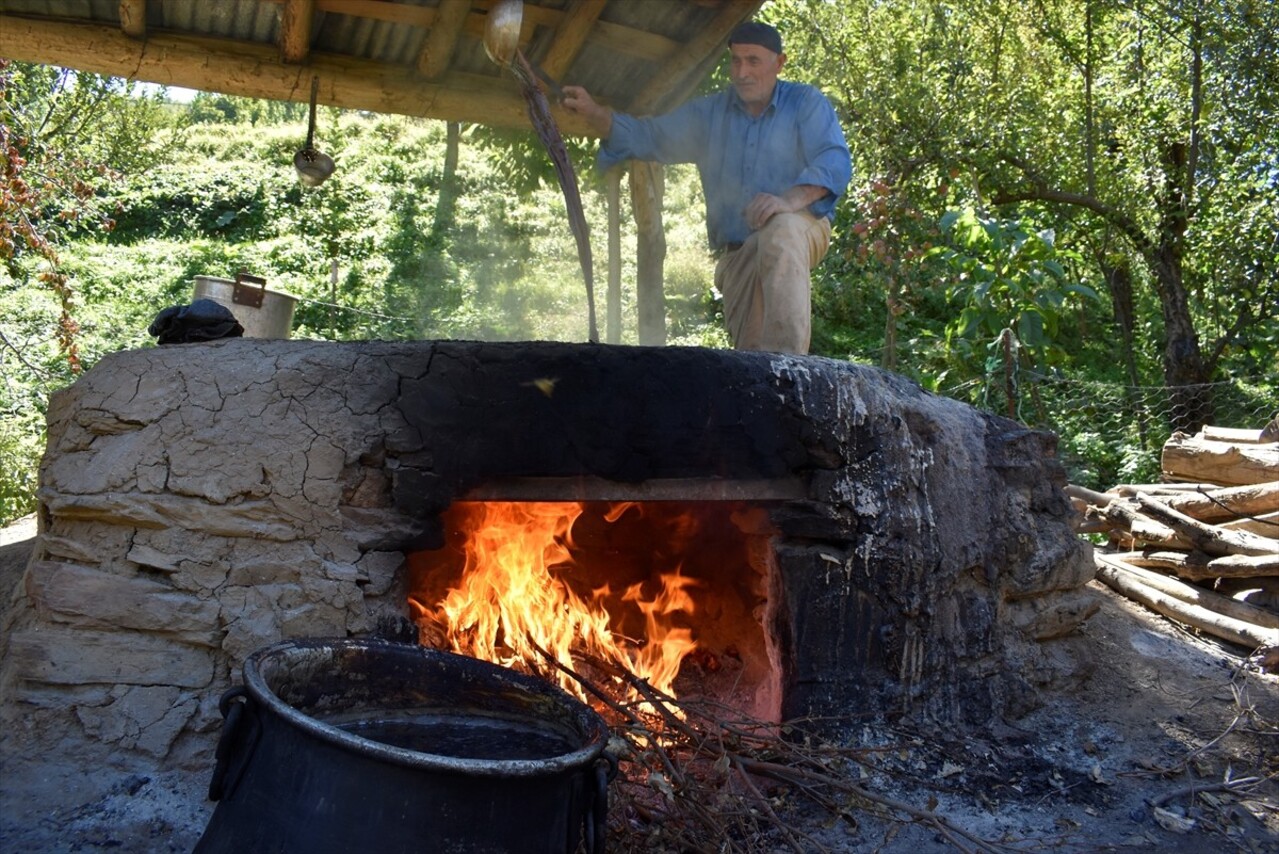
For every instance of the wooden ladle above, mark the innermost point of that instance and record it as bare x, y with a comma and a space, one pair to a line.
502, 41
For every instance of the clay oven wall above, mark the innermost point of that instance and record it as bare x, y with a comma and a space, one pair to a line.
199, 502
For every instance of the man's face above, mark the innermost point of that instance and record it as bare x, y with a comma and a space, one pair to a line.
753, 70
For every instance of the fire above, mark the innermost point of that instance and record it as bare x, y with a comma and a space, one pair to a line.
520, 592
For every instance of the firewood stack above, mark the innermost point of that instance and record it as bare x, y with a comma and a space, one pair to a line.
1202, 547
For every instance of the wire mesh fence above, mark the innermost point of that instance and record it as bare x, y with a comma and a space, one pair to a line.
1111, 433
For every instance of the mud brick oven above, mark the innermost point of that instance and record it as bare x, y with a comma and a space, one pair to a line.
898, 553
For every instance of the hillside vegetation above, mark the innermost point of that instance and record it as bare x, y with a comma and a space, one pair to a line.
1063, 214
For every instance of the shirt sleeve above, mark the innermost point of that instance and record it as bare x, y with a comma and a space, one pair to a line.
676, 137
829, 163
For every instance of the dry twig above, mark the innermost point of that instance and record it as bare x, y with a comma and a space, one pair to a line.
676, 789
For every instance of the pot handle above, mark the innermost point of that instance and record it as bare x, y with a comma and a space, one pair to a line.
597, 821
244, 293
236, 743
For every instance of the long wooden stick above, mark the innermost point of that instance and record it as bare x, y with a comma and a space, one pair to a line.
1197, 566
1232, 502
1198, 788
1224, 605
1208, 538
939, 822
1226, 628
1123, 515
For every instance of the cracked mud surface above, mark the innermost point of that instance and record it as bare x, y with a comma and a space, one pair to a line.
1110, 766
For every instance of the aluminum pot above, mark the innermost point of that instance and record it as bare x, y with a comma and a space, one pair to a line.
264, 313
360, 745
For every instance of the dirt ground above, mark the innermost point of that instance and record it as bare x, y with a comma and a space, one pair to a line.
1140, 757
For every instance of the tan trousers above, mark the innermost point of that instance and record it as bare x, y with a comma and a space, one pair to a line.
766, 284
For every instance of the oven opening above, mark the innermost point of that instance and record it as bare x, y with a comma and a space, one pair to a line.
674, 593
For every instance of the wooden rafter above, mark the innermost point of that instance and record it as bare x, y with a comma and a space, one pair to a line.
133, 18
571, 35
240, 66
295, 30
627, 41
441, 40
671, 83
377, 10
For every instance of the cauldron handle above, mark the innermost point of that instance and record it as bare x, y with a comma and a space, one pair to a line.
232, 737
596, 825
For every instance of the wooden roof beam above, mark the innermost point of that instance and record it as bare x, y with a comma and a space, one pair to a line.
571, 35
133, 18
671, 84
255, 71
295, 30
441, 39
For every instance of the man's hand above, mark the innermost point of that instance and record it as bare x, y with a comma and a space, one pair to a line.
578, 100
765, 206
762, 208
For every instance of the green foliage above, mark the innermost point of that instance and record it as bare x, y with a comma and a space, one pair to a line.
878, 285
20, 449
1100, 461
225, 198
521, 159
215, 108
1006, 275
1092, 120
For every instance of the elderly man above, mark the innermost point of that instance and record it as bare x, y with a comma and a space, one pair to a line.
773, 162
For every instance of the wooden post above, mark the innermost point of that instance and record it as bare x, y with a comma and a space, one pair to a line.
613, 330
1010, 386
647, 188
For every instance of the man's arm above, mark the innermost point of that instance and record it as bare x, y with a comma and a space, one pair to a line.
825, 152
765, 206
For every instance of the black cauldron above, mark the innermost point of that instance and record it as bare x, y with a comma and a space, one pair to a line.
358, 745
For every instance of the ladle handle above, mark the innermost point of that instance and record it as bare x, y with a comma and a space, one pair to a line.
310, 130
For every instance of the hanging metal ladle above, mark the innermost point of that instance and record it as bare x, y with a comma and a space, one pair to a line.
314, 167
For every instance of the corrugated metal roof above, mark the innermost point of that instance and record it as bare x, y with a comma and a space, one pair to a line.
640, 55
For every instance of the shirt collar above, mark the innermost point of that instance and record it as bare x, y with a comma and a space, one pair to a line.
737, 101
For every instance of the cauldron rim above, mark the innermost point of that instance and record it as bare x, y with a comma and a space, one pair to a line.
593, 730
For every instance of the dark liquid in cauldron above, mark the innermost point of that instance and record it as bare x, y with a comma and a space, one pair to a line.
463, 737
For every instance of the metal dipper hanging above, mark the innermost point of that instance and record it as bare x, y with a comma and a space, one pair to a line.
314, 167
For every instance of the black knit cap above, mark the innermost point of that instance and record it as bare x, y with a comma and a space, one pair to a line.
753, 32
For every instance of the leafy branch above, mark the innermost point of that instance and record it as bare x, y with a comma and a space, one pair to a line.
41, 191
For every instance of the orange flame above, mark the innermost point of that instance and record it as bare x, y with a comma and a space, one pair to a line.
516, 595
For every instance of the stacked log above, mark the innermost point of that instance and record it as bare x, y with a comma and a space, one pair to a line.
1202, 547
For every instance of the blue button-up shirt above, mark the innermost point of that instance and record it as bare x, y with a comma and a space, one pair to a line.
796, 140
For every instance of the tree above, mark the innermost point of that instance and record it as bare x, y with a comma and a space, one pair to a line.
47, 170
1132, 130
60, 135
